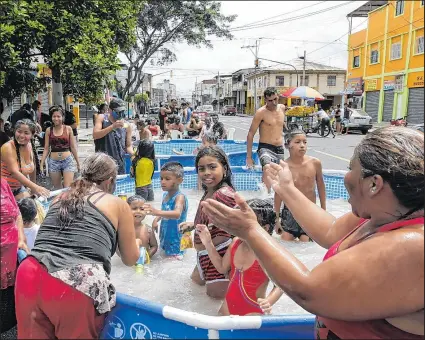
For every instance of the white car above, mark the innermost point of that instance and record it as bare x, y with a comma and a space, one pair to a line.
359, 120
208, 109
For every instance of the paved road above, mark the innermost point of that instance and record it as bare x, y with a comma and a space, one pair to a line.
334, 153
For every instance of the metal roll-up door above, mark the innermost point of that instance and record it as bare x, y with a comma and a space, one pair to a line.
44, 99
388, 106
415, 109
372, 105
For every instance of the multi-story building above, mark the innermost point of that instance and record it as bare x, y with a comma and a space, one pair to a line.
327, 80
157, 97
239, 88
229, 99
386, 60
146, 86
203, 92
170, 91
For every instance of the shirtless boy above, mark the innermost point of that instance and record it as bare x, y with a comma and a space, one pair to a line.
307, 173
271, 121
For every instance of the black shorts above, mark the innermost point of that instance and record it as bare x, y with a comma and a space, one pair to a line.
290, 225
279, 151
338, 119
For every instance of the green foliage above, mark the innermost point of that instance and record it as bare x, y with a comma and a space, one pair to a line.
164, 22
141, 97
79, 40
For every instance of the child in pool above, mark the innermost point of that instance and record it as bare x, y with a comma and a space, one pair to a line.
307, 173
215, 174
246, 294
173, 210
28, 209
143, 167
144, 233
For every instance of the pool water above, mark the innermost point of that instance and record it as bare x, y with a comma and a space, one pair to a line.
167, 281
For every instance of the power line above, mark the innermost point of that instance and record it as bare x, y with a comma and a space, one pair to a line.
279, 15
307, 15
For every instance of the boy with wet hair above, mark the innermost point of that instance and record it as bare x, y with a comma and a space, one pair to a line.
307, 174
173, 210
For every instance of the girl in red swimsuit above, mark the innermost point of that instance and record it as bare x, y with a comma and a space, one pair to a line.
246, 294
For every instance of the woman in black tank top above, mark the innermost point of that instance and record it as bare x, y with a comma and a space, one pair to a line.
71, 259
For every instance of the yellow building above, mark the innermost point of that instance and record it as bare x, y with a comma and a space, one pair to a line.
386, 60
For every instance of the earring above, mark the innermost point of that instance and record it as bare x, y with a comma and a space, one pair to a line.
373, 189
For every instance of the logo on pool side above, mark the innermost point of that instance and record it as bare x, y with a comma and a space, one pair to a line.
140, 331
116, 328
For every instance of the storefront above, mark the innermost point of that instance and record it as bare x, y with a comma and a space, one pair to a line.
372, 99
415, 106
354, 91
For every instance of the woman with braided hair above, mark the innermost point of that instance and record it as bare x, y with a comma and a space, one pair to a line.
19, 161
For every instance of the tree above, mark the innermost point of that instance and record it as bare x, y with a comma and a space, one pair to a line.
78, 40
164, 22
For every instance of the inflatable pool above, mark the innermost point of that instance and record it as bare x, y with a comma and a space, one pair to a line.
134, 318
167, 147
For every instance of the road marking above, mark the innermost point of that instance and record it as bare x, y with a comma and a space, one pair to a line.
334, 156
237, 127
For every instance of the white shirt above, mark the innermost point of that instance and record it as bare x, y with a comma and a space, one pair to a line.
31, 234
322, 114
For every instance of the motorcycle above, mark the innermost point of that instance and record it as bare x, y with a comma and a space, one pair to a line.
399, 122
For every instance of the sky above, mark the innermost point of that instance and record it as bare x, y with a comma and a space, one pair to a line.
281, 41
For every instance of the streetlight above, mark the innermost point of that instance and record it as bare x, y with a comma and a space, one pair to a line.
278, 62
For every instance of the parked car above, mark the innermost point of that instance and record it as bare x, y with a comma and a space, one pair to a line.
154, 111
359, 120
204, 111
228, 110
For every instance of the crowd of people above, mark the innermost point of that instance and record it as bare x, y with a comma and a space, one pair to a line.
370, 284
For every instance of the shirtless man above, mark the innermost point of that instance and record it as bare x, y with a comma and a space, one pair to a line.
271, 121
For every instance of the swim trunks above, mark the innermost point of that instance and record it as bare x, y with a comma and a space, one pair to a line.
290, 225
266, 157
206, 269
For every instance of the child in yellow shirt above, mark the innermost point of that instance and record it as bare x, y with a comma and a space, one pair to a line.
142, 169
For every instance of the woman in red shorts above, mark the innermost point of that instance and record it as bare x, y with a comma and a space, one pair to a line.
63, 289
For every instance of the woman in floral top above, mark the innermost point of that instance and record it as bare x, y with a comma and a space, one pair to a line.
63, 289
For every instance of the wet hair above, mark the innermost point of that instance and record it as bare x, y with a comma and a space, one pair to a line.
136, 116
32, 128
135, 198
264, 210
175, 168
218, 153
270, 91
28, 209
397, 155
141, 123
291, 134
177, 120
54, 109
95, 169
145, 149
210, 137
208, 121
218, 129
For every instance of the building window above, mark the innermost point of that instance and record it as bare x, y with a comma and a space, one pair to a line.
399, 7
331, 80
419, 45
306, 81
396, 51
374, 57
356, 61
280, 81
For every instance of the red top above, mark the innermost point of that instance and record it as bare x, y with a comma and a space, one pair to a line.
8, 236
372, 329
241, 296
225, 195
154, 129
59, 143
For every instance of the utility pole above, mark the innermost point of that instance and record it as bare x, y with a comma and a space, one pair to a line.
303, 83
255, 71
218, 91
196, 92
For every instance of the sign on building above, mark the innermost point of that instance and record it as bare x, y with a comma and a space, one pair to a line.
389, 85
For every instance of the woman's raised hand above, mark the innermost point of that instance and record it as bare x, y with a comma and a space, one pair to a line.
204, 234
237, 222
278, 176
